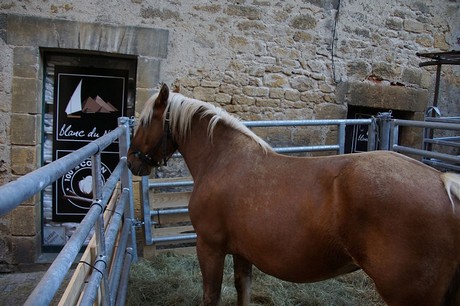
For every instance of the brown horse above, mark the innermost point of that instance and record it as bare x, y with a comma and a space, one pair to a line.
305, 219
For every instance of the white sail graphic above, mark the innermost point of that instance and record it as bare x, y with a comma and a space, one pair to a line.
74, 105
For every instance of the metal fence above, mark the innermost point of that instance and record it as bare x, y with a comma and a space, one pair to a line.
439, 160
112, 287
383, 133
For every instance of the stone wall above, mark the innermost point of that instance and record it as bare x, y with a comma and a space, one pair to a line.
285, 59
21, 142
259, 59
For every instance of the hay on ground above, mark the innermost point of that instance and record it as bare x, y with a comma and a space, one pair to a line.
176, 280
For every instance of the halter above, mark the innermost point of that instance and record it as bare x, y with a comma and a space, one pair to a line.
163, 142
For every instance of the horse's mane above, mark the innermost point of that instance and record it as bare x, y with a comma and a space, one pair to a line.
181, 110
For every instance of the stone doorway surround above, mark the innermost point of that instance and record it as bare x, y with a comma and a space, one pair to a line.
20, 231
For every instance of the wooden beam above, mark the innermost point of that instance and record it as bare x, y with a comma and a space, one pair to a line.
76, 285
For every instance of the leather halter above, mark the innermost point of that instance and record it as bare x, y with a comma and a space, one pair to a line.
162, 143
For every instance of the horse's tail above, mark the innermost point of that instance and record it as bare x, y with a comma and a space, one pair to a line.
452, 184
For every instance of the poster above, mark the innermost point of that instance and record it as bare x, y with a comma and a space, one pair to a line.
88, 103
360, 136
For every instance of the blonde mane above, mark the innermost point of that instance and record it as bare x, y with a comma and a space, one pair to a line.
181, 110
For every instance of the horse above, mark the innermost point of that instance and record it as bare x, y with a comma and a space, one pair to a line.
305, 219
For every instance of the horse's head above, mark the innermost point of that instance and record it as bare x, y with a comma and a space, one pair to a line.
152, 144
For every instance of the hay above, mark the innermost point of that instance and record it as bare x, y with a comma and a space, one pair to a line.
176, 280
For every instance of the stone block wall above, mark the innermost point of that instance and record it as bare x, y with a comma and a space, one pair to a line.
258, 59
21, 85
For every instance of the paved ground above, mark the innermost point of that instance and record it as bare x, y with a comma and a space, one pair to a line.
16, 287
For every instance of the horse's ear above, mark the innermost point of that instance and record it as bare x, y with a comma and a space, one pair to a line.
176, 88
163, 96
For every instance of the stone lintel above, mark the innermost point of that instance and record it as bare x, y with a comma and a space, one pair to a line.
60, 33
382, 96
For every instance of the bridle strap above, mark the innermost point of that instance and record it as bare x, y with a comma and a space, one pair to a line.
163, 142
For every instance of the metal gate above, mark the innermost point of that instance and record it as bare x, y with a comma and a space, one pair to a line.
442, 161
109, 270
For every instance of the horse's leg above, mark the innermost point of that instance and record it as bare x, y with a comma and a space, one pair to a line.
243, 279
212, 269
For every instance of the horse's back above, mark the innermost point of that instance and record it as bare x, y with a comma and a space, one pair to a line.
394, 181
393, 194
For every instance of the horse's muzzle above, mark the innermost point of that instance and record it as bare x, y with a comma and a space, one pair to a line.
138, 168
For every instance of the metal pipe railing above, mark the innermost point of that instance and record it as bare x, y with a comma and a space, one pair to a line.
121, 294
302, 149
186, 183
145, 202
168, 211
442, 142
14, 193
174, 238
441, 164
115, 273
429, 154
314, 122
440, 159
127, 182
103, 260
427, 124
54, 276
341, 123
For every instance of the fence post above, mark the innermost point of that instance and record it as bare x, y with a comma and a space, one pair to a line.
99, 228
127, 181
146, 209
342, 127
371, 135
394, 136
384, 121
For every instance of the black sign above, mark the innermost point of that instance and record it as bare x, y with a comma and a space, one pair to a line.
88, 102
360, 135
73, 192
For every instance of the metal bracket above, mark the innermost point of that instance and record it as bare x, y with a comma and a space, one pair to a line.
138, 223
433, 111
132, 121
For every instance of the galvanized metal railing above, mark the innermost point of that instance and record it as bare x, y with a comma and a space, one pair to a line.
341, 123
436, 159
339, 147
14, 193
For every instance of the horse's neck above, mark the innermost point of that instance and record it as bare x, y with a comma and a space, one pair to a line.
202, 154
